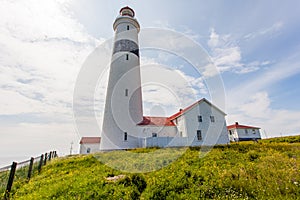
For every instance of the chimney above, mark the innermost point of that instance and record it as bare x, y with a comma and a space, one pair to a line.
236, 123
180, 110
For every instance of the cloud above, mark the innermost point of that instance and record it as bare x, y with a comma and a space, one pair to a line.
257, 106
274, 73
42, 49
226, 54
249, 102
273, 29
213, 39
160, 88
257, 111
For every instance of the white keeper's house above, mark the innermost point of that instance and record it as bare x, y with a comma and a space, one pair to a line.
125, 126
238, 132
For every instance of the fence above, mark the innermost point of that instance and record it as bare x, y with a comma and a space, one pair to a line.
22, 172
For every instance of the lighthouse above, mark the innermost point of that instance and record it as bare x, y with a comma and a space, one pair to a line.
123, 106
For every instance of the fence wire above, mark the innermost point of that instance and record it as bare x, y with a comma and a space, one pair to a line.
4, 174
24, 170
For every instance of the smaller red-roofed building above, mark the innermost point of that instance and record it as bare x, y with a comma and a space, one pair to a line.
89, 145
238, 132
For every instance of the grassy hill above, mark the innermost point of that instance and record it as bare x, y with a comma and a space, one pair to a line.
269, 169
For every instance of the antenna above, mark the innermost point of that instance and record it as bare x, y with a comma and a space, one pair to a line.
71, 148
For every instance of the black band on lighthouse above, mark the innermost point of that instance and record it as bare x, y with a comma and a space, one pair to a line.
126, 45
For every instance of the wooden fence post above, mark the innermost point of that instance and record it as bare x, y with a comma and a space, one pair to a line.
41, 163
30, 167
50, 155
10, 180
45, 159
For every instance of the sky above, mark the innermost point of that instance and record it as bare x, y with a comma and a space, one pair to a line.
255, 46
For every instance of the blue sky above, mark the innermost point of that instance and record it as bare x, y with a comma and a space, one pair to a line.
254, 44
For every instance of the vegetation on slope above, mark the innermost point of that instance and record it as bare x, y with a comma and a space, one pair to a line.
269, 169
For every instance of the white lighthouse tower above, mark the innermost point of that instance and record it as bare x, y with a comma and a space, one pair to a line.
123, 108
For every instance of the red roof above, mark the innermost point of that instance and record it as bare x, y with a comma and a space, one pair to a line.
168, 121
238, 126
182, 111
90, 140
156, 121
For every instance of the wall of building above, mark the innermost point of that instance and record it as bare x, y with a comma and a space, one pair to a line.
180, 123
165, 142
93, 148
212, 132
250, 135
232, 134
161, 131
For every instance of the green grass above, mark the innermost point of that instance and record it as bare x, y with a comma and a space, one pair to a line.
269, 169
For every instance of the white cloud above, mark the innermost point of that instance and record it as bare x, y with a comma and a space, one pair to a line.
42, 48
226, 58
249, 102
257, 111
169, 88
213, 39
269, 31
275, 72
227, 55
258, 106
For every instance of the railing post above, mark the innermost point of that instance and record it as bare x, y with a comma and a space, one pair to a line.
30, 168
50, 155
41, 163
10, 180
45, 159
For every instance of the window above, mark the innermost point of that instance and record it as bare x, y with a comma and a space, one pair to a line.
180, 133
246, 131
127, 27
199, 118
125, 136
253, 131
154, 134
212, 118
126, 92
127, 57
88, 150
230, 132
199, 135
